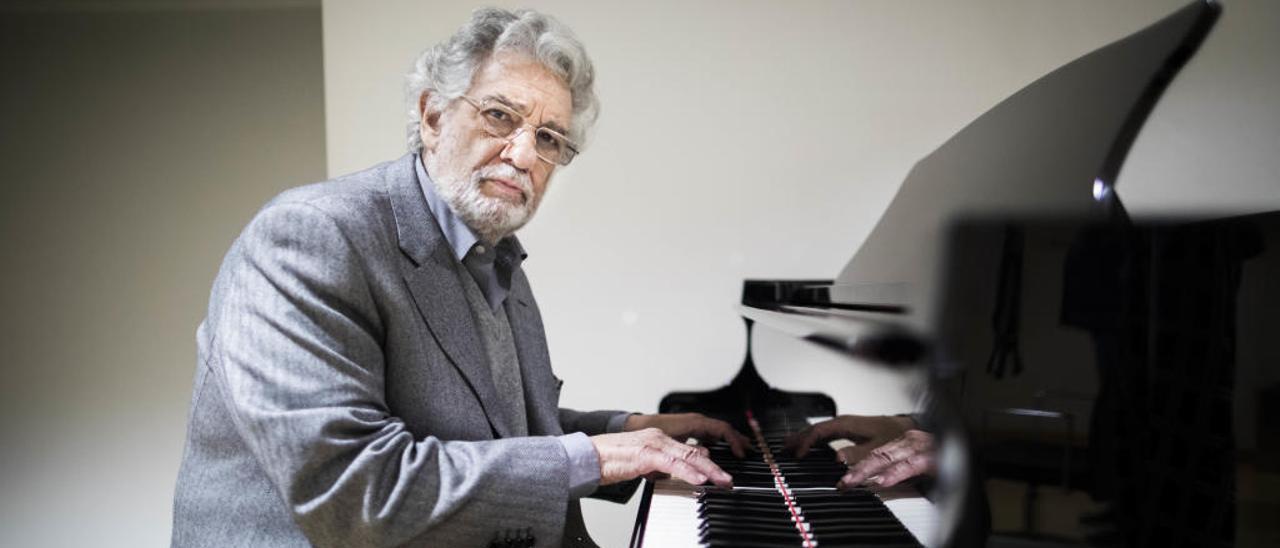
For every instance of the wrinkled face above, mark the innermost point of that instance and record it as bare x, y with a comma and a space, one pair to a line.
495, 184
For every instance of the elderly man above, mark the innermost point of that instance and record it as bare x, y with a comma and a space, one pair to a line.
373, 370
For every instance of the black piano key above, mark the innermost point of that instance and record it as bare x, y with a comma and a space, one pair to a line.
746, 504
740, 537
744, 518
866, 543
776, 526
783, 467
838, 496
724, 517
903, 539
743, 513
840, 524
757, 483
803, 475
754, 481
834, 513
878, 526
718, 529
750, 543
852, 509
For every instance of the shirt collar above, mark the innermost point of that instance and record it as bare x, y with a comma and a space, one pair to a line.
460, 236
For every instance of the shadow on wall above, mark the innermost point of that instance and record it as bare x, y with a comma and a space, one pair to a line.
137, 141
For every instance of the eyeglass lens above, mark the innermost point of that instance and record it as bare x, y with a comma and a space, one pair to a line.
501, 121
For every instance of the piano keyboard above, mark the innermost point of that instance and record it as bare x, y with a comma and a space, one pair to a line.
779, 500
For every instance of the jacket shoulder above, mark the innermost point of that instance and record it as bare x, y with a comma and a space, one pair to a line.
353, 199
352, 212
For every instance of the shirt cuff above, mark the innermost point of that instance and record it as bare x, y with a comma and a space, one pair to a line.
584, 464
616, 423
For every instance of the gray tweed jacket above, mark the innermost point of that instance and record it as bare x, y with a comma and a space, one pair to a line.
342, 394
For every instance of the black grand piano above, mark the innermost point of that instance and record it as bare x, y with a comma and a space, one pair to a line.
1091, 378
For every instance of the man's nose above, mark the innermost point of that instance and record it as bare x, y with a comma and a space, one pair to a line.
520, 151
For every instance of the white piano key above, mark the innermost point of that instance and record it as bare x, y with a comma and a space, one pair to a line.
673, 516
917, 514
673, 510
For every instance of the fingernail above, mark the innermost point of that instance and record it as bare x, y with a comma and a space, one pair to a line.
702, 480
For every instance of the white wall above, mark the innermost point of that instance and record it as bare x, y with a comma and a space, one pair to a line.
137, 140
763, 139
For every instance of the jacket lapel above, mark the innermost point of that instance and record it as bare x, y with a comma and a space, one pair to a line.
438, 294
541, 388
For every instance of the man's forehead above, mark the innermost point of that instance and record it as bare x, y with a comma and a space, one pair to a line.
526, 86
524, 110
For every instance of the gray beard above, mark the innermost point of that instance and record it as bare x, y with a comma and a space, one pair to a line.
492, 219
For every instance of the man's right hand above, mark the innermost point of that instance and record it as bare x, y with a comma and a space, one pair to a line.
629, 455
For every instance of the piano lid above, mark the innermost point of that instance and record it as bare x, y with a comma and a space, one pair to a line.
804, 309
1054, 148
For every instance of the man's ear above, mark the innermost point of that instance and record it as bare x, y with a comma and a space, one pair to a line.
429, 128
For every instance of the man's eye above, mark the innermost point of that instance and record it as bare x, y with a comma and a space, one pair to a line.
548, 139
498, 115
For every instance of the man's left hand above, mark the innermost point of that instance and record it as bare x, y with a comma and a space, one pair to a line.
691, 425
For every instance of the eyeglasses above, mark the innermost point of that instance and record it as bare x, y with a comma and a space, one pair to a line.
502, 121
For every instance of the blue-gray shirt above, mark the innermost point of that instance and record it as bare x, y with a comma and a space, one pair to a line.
492, 267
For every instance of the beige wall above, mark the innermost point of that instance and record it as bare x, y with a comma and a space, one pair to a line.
763, 139
137, 140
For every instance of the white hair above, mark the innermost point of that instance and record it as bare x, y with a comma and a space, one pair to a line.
447, 68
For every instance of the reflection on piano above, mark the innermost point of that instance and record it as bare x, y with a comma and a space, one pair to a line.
1004, 254
777, 498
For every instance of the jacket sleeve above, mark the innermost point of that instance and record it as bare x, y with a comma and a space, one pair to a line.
590, 423
298, 349
600, 422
